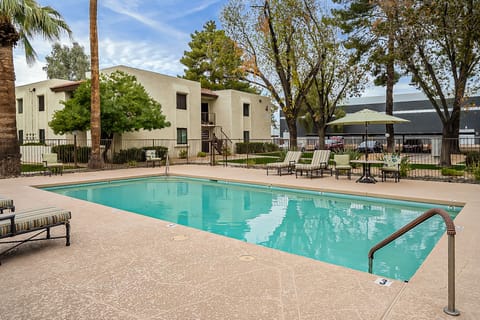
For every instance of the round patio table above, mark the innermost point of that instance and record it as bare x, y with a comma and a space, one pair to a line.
367, 176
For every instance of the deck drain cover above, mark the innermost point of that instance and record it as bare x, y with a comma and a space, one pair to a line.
180, 237
246, 257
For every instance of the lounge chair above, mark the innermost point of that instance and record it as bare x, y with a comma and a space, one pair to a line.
319, 163
151, 157
35, 220
342, 164
51, 164
391, 166
6, 204
288, 163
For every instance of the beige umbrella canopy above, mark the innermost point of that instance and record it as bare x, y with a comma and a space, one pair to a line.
366, 117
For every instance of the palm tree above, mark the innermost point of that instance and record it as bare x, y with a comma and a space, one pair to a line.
96, 161
19, 21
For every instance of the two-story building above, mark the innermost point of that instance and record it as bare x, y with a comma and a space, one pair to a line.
197, 116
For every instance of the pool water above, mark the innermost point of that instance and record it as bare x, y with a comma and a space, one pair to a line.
333, 228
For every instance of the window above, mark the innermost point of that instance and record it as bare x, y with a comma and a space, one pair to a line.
41, 135
181, 135
246, 109
181, 101
41, 103
20, 136
246, 136
20, 105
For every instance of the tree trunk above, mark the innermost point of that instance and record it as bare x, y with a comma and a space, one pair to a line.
449, 143
95, 161
389, 94
321, 137
292, 129
9, 147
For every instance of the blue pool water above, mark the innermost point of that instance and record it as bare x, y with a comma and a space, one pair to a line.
334, 228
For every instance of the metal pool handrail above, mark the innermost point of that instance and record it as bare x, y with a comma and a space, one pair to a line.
450, 308
167, 165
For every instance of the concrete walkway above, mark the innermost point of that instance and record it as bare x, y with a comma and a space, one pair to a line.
127, 266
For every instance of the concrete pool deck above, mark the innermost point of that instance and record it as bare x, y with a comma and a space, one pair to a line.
122, 265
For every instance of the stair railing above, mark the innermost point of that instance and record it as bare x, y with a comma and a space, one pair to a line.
450, 308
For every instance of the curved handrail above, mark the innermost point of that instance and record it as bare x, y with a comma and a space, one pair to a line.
450, 308
427, 215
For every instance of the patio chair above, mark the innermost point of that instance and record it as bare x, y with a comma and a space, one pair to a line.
51, 164
151, 157
6, 204
342, 164
35, 221
288, 163
391, 166
319, 163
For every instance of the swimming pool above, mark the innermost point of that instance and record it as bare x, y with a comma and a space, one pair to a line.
333, 228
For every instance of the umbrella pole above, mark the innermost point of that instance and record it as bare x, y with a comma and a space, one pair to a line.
366, 141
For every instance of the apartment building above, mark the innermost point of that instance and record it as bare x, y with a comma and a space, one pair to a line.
195, 114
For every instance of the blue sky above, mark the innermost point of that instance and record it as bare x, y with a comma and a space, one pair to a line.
145, 34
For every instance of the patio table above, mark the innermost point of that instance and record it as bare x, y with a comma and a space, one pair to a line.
367, 176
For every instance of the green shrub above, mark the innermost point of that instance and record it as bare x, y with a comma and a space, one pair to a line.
201, 154
472, 158
66, 153
83, 154
405, 166
476, 170
255, 147
270, 147
182, 154
450, 172
132, 154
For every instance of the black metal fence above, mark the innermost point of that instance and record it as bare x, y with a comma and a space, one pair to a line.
420, 155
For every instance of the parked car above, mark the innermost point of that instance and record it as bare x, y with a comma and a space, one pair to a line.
334, 144
412, 145
372, 147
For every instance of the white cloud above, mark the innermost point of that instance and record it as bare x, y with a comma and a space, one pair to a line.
25, 74
200, 7
142, 55
130, 9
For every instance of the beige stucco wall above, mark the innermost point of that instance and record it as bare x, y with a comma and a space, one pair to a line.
164, 89
31, 120
228, 108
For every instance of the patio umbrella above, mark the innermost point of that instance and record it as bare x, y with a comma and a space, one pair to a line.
366, 117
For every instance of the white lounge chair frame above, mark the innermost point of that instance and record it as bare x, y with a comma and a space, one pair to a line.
291, 158
319, 163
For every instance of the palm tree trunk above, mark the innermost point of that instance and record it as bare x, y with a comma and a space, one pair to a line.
96, 161
9, 147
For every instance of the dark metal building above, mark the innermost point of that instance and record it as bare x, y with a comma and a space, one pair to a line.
424, 120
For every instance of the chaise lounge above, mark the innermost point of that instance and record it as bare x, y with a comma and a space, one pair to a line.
319, 163
6, 204
51, 164
35, 221
288, 163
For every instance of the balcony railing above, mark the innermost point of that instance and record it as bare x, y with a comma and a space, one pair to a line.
208, 119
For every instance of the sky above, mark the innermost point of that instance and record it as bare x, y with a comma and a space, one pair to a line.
144, 34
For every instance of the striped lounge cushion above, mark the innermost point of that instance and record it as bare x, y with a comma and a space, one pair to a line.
6, 203
35, 218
